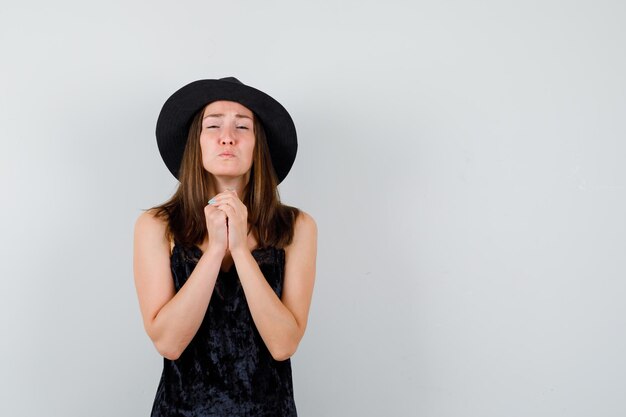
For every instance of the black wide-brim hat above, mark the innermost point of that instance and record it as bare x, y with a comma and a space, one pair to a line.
173, 124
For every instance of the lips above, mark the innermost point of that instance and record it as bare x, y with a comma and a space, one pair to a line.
227, 154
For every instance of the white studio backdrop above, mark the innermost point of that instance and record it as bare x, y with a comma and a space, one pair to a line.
464, 162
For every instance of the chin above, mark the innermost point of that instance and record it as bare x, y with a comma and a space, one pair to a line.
227, 175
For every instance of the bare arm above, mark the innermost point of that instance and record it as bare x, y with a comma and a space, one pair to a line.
171, 319
281, 322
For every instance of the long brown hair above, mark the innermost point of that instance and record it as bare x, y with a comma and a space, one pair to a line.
271, 222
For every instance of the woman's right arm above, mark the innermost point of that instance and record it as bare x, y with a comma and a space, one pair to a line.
170, 318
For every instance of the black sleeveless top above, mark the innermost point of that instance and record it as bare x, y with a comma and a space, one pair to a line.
226, 370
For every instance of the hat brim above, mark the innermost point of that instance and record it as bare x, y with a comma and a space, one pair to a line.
175, 118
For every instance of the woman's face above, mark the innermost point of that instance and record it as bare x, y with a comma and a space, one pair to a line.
227, 138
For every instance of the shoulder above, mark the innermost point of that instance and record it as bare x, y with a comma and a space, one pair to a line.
151, 227
149, 220
305, 230
305, 222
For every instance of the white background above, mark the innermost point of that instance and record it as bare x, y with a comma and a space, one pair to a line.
464, 162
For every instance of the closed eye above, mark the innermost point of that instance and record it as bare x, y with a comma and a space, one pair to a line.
242, 127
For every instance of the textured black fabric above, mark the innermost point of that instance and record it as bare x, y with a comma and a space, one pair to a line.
226, 370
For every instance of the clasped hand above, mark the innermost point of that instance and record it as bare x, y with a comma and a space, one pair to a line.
227, 222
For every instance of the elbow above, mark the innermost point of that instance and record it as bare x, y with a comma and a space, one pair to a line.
168, 352
281, 356
170, 355
286, 348
282, 353
167, 349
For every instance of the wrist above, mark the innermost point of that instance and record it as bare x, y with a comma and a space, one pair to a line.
214, 252
239, 252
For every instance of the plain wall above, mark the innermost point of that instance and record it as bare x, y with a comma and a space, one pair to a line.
464, 162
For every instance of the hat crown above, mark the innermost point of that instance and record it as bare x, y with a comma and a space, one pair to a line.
231, 80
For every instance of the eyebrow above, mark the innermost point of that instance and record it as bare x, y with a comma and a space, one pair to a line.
238, 116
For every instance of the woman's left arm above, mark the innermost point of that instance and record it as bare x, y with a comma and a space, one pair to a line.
281, 322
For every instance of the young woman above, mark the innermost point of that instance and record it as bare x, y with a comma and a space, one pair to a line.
224, 272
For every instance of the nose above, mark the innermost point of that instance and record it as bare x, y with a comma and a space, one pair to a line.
227, 137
